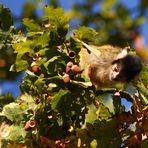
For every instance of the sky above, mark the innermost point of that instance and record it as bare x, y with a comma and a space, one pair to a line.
16, 6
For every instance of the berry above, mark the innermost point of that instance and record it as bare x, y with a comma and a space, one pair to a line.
35, 69
76, 68
66, 78
30, 124
68, 67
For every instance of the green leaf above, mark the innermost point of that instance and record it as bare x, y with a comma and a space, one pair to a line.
56, 16
94, 143
31, 34
91, 116
31, 24
42, 41
107, 5
106, 100
20, 65
40, 84
55, 101
84, 33
53, 59
140, 20
105, 133
103, 112
23, 47
28, 102
14, 133
5, 100
5, 18
13, 112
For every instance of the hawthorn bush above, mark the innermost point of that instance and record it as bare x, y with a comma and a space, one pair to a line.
56, 108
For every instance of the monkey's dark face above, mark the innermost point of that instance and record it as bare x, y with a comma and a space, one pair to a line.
125, 69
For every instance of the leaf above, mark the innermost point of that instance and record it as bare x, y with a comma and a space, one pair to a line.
94, 143
31, 24
140, 20
28, 102
105, 133
106, 100
40, 84
34, 33
20, 65
14, 133
84, 33
55, 101
16, 111
103, 112
23, 47
42, 41
53, 59
56, 16
91, 116
5, 18
107, 5
13, 112
5, 100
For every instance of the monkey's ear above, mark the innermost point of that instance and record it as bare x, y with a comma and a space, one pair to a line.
122, 54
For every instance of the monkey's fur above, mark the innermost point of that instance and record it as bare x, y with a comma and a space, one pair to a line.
107, 66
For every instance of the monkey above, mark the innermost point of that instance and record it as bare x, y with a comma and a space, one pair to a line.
108, 66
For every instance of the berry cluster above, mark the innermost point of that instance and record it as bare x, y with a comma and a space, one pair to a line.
70, 67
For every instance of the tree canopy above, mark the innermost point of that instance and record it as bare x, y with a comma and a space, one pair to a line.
56, 109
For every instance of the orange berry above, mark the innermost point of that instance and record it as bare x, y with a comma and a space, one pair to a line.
66, 78
76, 69
35, 69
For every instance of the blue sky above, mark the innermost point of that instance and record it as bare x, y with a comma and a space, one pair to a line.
16, 6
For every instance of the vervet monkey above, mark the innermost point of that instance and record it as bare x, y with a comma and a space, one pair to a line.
107, 66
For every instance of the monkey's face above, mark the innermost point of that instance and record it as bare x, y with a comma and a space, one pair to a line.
115, 73
125, 69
